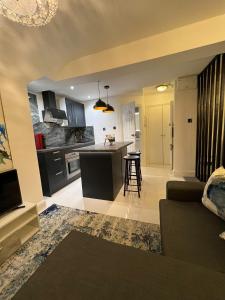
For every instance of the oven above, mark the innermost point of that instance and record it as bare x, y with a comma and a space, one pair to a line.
72, 164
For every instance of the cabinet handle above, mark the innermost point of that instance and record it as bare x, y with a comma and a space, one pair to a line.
56, 159
59, 173
56, 152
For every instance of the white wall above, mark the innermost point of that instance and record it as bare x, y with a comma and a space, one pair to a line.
40, 104
100, 120
185, 133
61, 102
21, 139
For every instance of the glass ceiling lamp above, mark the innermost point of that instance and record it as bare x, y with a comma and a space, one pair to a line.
162, 88
109, 108
29, 12
99, 105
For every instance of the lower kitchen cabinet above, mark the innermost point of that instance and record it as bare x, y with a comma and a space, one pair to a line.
52, 167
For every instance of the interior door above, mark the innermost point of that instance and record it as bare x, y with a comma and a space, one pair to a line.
158, 135
166, 134
129, 124
154, 135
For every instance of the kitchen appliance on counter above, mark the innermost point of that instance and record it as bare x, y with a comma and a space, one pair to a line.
72, 164
39, 141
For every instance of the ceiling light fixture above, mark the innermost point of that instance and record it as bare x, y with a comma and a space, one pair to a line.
72, 87
109, 108
99, 105
29, 13
89, 97
162, 88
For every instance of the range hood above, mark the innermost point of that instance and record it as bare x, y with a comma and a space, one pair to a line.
52, 114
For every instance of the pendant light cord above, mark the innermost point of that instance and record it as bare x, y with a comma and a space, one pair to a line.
98, 89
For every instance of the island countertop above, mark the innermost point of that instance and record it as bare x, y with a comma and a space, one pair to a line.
104, 148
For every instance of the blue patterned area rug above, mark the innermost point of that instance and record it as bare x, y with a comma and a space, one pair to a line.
56, 223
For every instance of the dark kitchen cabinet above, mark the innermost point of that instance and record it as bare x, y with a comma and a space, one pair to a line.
53, 170
52, 167
75, 113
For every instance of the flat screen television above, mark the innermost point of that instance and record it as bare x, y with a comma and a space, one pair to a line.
10, 195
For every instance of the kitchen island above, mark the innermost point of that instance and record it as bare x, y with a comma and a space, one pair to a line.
102, 170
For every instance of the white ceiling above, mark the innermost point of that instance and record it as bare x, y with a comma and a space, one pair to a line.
83, 27
122, 81
132, 78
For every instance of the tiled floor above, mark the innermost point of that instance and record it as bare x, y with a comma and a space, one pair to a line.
142, 209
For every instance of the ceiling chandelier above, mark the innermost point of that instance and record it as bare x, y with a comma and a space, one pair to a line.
29, 12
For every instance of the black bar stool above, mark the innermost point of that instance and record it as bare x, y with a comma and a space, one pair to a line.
137, 153
129, 161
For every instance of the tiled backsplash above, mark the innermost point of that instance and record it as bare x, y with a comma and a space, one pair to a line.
56, 136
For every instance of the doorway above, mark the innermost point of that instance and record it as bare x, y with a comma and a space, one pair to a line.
128, 116
159, 139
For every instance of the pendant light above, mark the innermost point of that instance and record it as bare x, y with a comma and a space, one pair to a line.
109, 108
99, 105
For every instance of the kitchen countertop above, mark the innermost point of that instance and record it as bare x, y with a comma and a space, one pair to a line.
104, 148
75, 146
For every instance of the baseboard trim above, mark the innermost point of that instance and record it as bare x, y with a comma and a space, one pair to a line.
184, 173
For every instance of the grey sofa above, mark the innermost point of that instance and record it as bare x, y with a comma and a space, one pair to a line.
190, 232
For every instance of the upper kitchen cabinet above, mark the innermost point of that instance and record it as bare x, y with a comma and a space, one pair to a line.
75, 113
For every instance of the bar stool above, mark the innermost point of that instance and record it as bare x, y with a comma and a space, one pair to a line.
137, 153
129, 161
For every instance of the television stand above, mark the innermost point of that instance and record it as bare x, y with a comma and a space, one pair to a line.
16, 227
20, 206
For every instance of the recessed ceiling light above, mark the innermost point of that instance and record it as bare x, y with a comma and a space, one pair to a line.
72, 87
162, 88
89, 97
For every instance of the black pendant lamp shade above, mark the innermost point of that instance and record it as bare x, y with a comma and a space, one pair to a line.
99, 105
109, 108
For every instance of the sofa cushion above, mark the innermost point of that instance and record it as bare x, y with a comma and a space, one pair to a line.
222, 235
190, 232
185, 190
84, 267
214, 193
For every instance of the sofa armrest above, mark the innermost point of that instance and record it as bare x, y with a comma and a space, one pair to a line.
184, 190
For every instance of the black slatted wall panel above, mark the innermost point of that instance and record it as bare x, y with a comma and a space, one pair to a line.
210, 152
